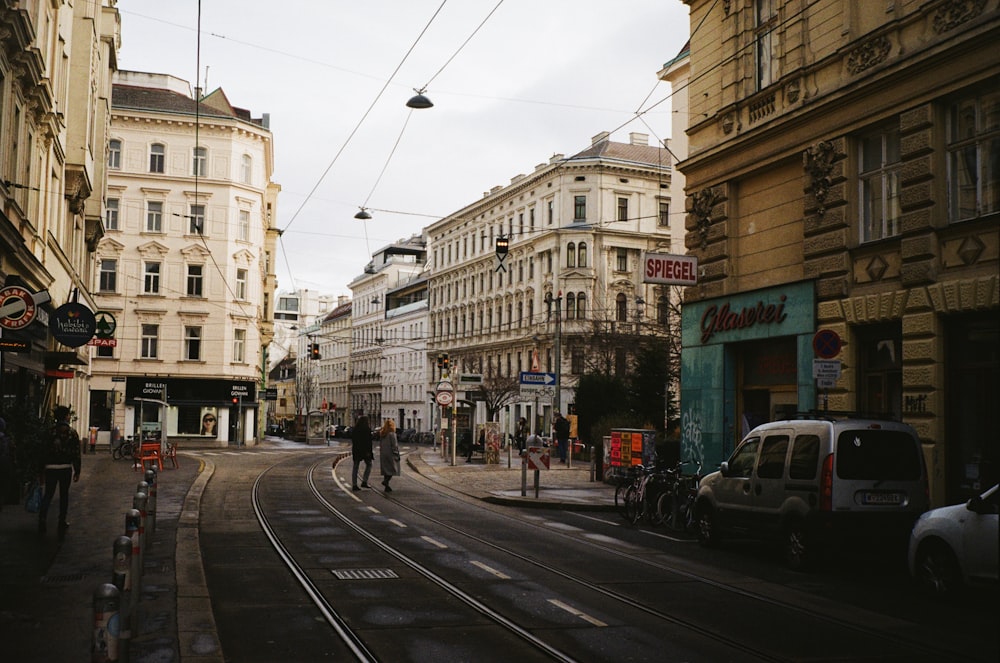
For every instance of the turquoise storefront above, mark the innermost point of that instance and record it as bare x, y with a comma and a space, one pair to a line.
746, 358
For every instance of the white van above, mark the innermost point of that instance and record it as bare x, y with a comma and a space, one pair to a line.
815, 482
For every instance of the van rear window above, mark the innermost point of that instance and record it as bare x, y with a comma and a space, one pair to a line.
885, 455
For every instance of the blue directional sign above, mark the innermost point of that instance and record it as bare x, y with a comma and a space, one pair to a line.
537, 379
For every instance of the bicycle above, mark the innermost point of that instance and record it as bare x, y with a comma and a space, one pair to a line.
127, 448
675, 507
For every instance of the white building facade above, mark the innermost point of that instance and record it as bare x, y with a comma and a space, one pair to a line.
186, 267
575, 230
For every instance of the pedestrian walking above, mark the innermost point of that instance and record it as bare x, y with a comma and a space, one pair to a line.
388, 453
59, 462
8, 467
521, 433
361, 452
561, 428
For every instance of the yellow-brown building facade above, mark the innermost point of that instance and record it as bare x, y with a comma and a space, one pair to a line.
844, 175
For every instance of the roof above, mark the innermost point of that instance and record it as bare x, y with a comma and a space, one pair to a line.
641, 154
167, 101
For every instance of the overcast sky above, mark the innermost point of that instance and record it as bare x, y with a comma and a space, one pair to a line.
540, 77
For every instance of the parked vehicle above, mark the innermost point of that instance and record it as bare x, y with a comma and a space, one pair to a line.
813, 482
956, 545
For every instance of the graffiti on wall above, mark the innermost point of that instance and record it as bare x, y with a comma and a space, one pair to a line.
692, 445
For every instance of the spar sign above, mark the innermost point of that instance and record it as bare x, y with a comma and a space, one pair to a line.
669, 269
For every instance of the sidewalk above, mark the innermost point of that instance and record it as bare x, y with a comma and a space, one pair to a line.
47, 586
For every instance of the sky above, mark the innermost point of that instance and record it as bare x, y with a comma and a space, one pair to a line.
512, 82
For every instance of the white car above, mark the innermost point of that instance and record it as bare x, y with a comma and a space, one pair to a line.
956, 545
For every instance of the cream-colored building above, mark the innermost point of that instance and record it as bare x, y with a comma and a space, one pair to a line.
566, 238
56, 62
334, 340
843, 182
186, 265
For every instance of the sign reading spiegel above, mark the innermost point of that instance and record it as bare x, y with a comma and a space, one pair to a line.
669, 269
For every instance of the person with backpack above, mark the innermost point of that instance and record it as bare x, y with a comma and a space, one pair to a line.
59, 462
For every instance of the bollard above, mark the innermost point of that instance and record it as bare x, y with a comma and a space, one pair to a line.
133, 520
121, 576
139, 502
106, 623
593, 465
151, 479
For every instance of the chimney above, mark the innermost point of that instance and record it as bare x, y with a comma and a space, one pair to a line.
636, 138
600, 138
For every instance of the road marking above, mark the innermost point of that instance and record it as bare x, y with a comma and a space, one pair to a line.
489, 569
573, 611
434, 543
397, 523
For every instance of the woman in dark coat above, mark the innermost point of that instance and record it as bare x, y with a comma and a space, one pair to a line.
361, 452
388, 453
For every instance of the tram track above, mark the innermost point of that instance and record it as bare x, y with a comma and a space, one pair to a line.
919, 651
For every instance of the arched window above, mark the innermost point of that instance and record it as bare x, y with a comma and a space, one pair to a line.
571, 255
581, 306
621, 308
581, 254
570, 306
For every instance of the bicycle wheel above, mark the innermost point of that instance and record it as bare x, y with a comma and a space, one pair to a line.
665, 508
116, 453
633, 505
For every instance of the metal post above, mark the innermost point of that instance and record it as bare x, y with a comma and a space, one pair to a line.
139, 503
133, 521
121, 576
593, 465
107, 601
524, 472
151, 499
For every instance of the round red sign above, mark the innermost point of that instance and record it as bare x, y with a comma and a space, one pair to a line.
17, 307
826, 344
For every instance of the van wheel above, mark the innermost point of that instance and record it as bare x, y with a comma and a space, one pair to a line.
708, 535
936, 570
798, 548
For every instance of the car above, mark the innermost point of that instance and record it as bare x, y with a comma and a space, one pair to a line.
952, 547
817, 482
406, 435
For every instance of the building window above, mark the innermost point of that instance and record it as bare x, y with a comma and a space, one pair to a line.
622, 209
766, 43
111, 216
243, 227
197, 220
199, 161
663, 310
550, 211
150, 337
531, 218
880, 369
105, 352
581, 254
192, 343
241, 284
974, 157
570, 306
621, 263
246, 169
109, 276
879, 182
664, 217
576, 361
579, 208
114, 154
531, 267
571, 254
156, 157
581, 306
151, 278
195, 279
621, 308
154, 216
239, 345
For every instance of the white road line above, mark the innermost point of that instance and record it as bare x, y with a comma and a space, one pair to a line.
488, 569
434, 543
573, 611
397, 523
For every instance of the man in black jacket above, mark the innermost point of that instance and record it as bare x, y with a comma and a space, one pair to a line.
60, 461
561, 427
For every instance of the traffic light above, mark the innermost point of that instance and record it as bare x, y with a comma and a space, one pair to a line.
314, 351
444, 362
440, 360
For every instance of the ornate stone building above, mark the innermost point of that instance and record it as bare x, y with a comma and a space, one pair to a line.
844, 175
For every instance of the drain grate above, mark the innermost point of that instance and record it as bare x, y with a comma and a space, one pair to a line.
364, 574
55, 580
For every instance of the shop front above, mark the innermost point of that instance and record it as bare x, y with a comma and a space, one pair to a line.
747, 358
193, 411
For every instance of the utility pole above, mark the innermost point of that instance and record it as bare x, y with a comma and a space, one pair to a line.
557, 398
